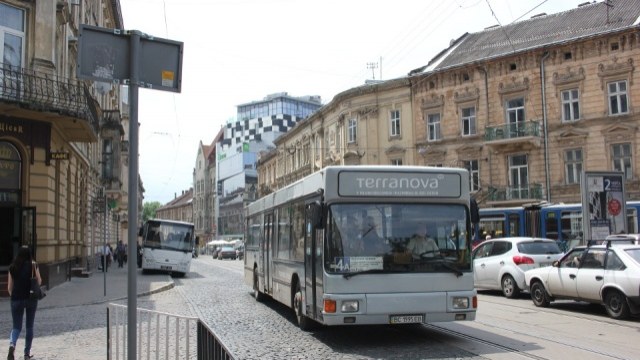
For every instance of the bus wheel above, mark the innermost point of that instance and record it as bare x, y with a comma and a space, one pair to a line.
256, 289
303, 321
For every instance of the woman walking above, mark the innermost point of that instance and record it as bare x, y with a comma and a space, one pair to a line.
21, 271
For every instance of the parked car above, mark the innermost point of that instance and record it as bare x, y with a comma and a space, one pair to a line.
606, 274
631, 238
500, 264
227, 252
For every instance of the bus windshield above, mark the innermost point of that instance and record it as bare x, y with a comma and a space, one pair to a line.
168, 236
378, 238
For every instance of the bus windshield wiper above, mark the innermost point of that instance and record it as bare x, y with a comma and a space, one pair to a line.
372, 271
445, 264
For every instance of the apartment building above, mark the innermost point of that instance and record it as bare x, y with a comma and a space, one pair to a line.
529, 106
370, 124
62, 141
525, 107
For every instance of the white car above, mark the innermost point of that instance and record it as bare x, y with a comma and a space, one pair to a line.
605, 274
499, 264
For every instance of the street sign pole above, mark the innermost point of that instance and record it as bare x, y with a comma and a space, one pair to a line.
133, 196
115, 55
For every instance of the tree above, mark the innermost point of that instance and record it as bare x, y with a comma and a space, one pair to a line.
149, 210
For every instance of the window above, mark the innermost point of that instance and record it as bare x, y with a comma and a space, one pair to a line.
433, 127
519, 177
621, 158
570, 105
474, 174
352, 131
394, 122
573, 166
12, 35
396, 162
515, 116
468, 121
618, 97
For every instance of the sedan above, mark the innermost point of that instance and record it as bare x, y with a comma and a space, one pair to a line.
500, 264
227, 252
606, 274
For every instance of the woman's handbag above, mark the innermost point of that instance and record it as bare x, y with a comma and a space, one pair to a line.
36, 292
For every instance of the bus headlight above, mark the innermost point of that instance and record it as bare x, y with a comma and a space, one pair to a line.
460, 302
349, 306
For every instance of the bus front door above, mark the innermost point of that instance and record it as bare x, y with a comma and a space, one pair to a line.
313, 271
266, 252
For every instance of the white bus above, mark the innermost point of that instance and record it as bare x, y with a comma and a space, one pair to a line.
167, 245
335, 246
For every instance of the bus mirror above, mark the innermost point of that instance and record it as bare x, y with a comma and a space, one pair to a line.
475, 212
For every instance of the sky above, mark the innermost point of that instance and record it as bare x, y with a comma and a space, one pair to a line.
239, 51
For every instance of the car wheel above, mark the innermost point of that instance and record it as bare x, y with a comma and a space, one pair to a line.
509, 287
303, 321
539, 295
616, 304
256, 287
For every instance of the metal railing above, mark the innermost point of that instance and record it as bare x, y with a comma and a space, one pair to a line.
512, 131
44, 92
162, 336
526, 192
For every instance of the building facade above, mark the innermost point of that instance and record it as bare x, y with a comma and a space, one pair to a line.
258, 124
526, 108
179, 209
371, 124
61, 139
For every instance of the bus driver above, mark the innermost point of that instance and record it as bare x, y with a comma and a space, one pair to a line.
421, 245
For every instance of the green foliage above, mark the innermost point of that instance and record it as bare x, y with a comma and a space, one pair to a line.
149, 210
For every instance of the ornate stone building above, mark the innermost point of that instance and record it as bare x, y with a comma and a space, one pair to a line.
370, 124
62, 141
529, 106
525, 107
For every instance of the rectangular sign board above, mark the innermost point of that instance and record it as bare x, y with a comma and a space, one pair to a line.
104, 55
603, 203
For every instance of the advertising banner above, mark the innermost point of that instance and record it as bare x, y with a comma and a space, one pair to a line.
603, 204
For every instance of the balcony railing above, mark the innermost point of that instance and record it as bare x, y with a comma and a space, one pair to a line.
69, 99
526, 192
512, 131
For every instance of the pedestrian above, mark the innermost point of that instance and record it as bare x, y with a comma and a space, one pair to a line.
21, 270
106, 257
120, 253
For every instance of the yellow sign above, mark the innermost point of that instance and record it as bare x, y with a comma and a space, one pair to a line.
167, 78
59, 155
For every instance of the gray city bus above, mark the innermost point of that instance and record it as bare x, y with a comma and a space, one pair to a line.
338, 246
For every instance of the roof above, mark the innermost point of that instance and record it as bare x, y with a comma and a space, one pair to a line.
541, 31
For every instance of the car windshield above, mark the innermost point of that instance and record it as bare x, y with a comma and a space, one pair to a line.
635, 254
539, 247
378, 238
227, 249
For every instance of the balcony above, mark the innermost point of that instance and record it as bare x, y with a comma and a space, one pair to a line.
65, 103
527, 132
518, 194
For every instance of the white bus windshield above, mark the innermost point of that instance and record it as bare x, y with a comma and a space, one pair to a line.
168, 236
397, 238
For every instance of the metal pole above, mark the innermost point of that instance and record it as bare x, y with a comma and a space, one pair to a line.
103, 196
134, 45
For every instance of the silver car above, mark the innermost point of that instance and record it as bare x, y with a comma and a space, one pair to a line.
500, 264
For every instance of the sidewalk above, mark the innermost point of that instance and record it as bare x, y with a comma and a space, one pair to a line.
91, 290
71, 322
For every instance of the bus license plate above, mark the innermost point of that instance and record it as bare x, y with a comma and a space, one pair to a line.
406, 319
165, 267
